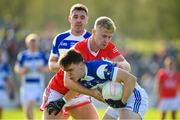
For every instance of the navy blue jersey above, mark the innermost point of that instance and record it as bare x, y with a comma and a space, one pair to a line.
98, 72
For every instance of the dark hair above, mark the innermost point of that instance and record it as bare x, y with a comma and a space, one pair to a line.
79, 6
70, 57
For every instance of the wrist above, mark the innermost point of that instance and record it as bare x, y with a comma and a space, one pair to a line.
64, 99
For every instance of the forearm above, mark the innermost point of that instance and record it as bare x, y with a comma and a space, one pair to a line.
122, 63
70, 94
44, 69
75, 86
128, 88
20, 70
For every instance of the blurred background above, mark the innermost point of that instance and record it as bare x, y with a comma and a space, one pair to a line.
147, 31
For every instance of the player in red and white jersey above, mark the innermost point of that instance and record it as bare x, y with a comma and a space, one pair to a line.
98, 46
109, 52
168, 82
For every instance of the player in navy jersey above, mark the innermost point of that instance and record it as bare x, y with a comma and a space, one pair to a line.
93, 74
78, 19
6, 83
31, 65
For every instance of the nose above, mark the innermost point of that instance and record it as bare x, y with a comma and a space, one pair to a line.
79, 20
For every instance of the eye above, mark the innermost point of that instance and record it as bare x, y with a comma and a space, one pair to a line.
82, 17
75, 16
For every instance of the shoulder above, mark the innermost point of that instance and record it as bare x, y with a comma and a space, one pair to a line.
82, 43
63, 35
22, 53
161, 72
87, 34
111, 45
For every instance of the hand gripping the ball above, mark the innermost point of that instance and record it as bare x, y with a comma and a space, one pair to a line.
115, 103
56, 106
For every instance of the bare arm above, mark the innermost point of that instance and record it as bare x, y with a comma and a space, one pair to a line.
21, 70
53, 64
129, 82
44, 69
122, 63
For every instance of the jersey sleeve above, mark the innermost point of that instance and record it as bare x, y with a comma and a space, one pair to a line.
20, 57
113, 51
78, 46
45, 58
54, 49
108, 72
160, 74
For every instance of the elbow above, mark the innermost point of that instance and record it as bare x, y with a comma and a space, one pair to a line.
52, 69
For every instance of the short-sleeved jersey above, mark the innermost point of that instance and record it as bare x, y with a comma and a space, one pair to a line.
57, 82
5, 73
97, 72
61, 44
168, 83
109, 52
32, 60
64, 41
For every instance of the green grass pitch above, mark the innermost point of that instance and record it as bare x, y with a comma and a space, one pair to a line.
17, 114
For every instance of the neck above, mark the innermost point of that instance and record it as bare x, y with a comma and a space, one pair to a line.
77, 33
92, 45
32, 50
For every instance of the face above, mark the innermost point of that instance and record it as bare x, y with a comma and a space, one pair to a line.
32, 44
102, 37
75, 71
78, 20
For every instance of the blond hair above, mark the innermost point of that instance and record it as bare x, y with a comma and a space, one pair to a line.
106, 23
30, 37
78, 6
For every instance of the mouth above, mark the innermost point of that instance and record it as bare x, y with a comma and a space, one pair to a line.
78, 25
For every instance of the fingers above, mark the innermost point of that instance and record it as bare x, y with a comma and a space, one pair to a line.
55, 113
50, 110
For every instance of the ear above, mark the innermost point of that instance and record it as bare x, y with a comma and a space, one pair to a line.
81, 64
69, 19
93, 31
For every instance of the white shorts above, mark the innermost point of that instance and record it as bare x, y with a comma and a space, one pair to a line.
169, 104
3, 98
52, 95
31, 93
137, 102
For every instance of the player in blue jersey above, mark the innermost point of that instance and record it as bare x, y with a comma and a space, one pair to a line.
78, 19
93, 74
31, 65
6, 83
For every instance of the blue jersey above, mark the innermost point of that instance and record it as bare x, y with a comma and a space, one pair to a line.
5, 72
98, 72
62, 42
32, 60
